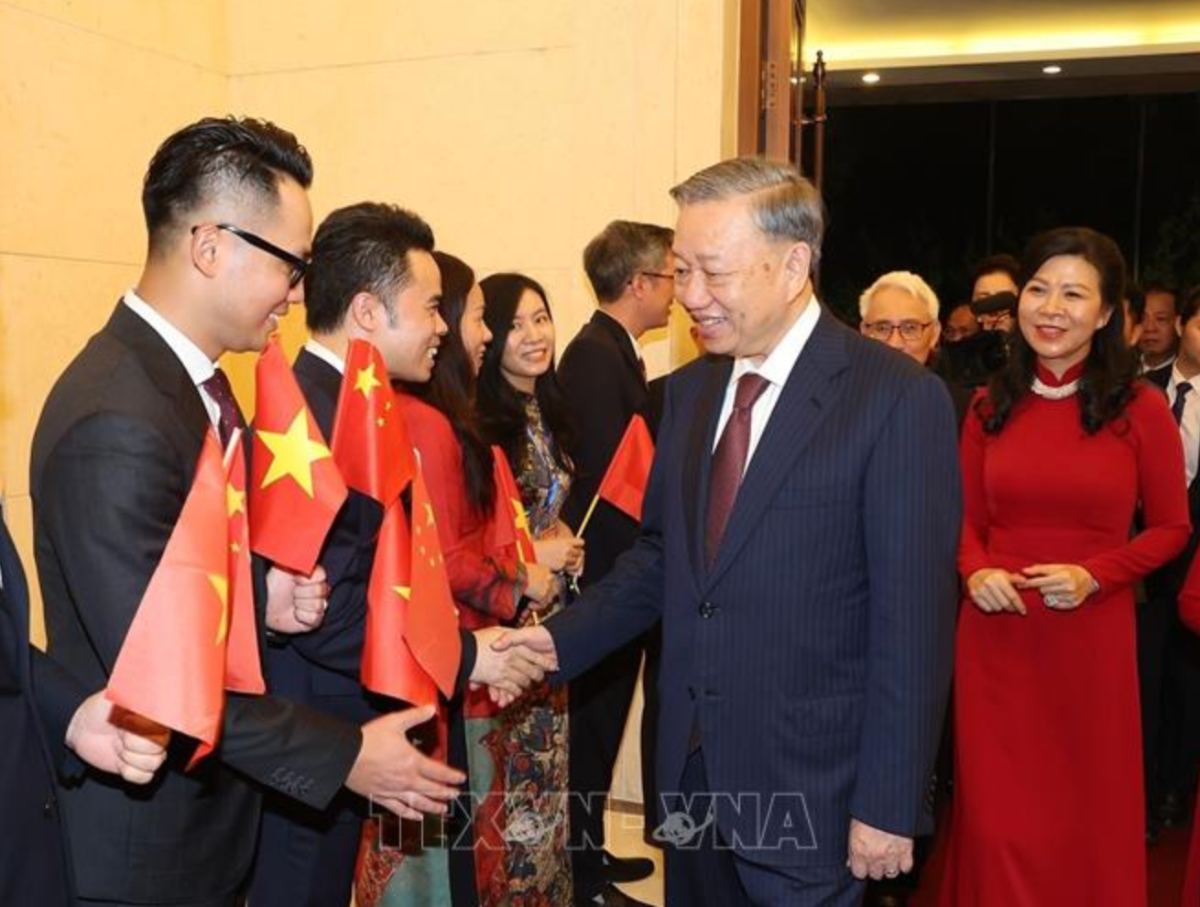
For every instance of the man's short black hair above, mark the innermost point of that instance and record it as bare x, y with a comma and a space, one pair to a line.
1160, 286
621, 249
214, 155
996, 264
358, 248
1136, 297
1189, 308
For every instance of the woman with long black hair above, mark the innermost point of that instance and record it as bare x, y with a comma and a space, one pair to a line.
1057, 454
522, 410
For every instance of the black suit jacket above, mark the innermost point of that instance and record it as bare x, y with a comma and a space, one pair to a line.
36, 703
1167, 580
814, 657
322, 668
113, 459
603, 382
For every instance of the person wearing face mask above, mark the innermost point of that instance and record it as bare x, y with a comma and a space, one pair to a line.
1057, 454
522, 409
488, 589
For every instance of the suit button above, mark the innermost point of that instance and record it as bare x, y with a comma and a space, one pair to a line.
48, 809
708, 609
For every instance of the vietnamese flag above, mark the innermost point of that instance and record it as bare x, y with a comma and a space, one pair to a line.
388, 666
243, 666
296, 490
508, 531
432, 626
624, 482
171, 667
370, 444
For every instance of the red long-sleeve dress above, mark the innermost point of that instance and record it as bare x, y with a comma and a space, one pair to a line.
1048, 804
1189, 611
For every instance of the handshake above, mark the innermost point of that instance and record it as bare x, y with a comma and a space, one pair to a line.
509, 662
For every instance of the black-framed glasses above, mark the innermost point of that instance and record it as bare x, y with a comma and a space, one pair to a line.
883, 330
297, 264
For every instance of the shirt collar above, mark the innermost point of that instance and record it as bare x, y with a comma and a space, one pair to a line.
325, 354
198, 366
778, 365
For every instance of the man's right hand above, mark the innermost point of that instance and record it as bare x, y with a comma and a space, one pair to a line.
116, 740
536, 639
394, 774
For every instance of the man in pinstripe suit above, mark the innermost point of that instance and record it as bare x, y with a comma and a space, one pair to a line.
798, 541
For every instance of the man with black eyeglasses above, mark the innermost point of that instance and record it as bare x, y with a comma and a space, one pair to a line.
901, 310
114, 454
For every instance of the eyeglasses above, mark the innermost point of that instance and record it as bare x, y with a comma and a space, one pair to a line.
883, 330
657, 274
298, 266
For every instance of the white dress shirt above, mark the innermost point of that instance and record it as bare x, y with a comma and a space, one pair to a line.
775, 368
325, 354
1189, 423
199, 367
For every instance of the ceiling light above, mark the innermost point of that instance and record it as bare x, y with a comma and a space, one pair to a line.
1052, 70
870, 78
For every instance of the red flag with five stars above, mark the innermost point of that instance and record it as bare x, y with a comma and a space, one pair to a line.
171, 667
243, 666
370, 444
296, 490
508, 532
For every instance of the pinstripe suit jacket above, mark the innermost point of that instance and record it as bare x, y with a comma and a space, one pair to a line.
815, 655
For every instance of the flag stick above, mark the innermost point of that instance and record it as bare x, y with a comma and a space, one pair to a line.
587, 516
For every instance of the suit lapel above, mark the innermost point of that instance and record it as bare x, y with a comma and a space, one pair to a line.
806, 399
163, 367
698, 456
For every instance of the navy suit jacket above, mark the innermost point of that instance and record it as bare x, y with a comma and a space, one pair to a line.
36, 704
814, 657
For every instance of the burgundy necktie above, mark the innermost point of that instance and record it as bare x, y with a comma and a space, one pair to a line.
729, 462
219, 389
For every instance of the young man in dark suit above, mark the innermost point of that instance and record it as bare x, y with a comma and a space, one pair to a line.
229, 224
632, 272
372, 277
798, 541
49, 723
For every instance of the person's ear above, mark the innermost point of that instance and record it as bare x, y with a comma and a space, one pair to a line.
366, 312
203, 247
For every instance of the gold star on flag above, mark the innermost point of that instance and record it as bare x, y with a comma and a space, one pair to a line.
294, 453
366, 381
405, 592
520, 519
235, 500
221, 586
429, 521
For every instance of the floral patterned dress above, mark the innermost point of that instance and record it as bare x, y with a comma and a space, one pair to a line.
531, 743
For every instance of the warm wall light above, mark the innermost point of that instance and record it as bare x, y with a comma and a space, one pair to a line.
870, 77
1052, 70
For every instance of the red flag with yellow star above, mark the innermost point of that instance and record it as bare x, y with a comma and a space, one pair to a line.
296, 490
508, 532
388, 665
243, 666
171, 667
370, 444
432, 626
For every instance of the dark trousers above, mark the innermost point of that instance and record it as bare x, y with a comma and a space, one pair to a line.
1169, 677
599, 704
703, 872
650, 666
305, 858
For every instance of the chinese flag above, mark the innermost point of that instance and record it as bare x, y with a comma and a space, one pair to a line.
508, 531
388, 665
624, 482
296, 490
243, 667
370, 444
171, 667
432, 626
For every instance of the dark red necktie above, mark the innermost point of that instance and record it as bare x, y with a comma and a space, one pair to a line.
219, 389
729, 462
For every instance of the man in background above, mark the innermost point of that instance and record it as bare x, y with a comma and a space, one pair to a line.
632, 272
